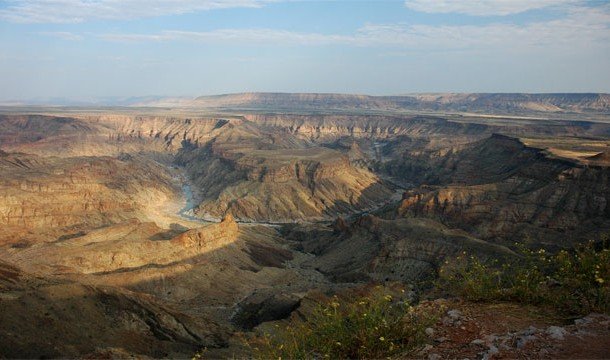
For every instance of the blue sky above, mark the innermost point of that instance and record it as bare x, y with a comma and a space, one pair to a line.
86, 49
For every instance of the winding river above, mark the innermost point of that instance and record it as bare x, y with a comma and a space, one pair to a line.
187, 211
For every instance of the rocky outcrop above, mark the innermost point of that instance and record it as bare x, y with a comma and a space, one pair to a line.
499, 188
237, 166
262, 307
272, 168
280, 185
173, 132
125, 247
111, 134
602, 159
209, 237
202, 271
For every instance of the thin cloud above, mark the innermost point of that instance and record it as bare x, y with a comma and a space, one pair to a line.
65, 35
483, 7
78, 11
273, 36
579, 27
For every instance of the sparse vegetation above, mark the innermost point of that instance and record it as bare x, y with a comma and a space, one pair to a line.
381, 324
574, 282
378, 325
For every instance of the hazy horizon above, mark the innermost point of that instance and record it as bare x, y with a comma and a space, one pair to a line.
129, 100
92, 50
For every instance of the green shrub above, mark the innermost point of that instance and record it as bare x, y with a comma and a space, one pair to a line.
574, 282
471, 278
378, 325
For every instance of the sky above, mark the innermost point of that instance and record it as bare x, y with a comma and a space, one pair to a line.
92, 49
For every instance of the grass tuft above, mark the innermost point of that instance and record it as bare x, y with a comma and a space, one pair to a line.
378, 325
574, 283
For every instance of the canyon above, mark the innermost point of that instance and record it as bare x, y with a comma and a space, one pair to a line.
163, 230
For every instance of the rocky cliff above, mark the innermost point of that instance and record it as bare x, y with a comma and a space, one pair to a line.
124, 247
499, 188
58, 195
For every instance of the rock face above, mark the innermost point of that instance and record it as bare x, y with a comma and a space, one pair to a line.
329, 127
125, 247
237, 166
498, 188
261, 307
203, 272
280, 168
68, 194
111, 134
283, 185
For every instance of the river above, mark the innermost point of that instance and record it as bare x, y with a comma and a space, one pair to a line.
187, 211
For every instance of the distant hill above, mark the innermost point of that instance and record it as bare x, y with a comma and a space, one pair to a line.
516, 103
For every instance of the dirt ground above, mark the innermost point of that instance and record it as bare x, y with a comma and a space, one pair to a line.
510, 331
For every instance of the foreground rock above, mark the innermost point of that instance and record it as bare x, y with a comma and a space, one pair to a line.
511, 331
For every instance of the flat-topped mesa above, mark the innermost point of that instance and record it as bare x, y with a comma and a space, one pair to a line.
125, 253
476, 102
290, 100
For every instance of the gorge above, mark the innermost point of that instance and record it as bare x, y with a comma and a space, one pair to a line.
180, 229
